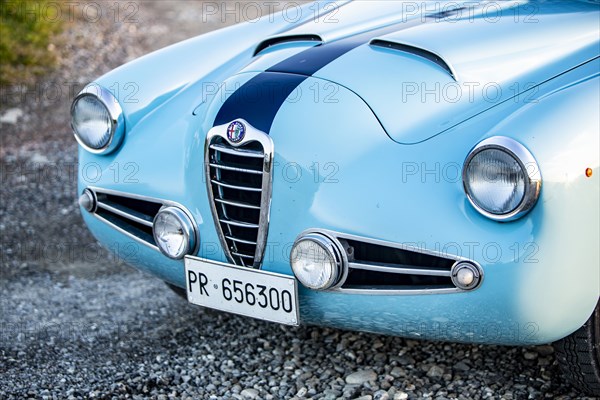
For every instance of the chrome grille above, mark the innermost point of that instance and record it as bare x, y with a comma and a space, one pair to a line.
391, 268
130, 214
239, 185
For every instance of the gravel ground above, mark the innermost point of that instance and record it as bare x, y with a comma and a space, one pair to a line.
77, 323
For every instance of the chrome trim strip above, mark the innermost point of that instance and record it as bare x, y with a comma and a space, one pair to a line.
399, 270
133, 196
391, 292
228, 168
235, 187
240, 152
238, 223
124, 214
386, 243
398, 292
251, 135
236, 204
533, 185
114, 110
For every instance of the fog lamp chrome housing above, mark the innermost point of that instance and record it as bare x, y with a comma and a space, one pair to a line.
501, 178
97, 120
317, 261
88, 200
174, 232
466, 275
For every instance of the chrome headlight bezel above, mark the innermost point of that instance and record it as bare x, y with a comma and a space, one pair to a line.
529, 167
188, 229
117, 120
336, 254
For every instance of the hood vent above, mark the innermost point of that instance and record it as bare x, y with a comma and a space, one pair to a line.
286, 39
416, 51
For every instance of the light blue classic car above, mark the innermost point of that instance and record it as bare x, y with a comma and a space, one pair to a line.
427, 170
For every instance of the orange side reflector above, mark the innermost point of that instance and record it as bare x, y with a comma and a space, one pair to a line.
588, 172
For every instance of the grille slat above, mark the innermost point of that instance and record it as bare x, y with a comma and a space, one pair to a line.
239, 183
242, 255
239, 223
237, 152
234, 239
126, 212
236, 169
399, 269
235, 187
237, 204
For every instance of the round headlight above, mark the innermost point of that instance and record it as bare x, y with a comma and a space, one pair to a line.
317, 261
501, 178
97, 120
174, 232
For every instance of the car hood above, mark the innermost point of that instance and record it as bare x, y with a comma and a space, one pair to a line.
428, 70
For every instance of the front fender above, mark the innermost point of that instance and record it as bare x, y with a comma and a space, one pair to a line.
562, 129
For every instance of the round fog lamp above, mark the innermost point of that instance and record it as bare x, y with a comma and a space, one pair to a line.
465, 275
174, 232
316, 261
87, 200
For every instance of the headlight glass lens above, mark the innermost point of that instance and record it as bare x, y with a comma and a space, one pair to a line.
172, 233
313, 265
495, 181
91, 122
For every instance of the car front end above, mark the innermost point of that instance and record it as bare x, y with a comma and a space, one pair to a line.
384, 208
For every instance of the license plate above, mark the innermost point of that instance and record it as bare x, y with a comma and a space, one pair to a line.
250, 292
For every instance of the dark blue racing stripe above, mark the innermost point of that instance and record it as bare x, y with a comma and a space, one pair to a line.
258, 100
311, 60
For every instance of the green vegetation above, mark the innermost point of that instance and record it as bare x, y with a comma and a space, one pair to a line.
26, 30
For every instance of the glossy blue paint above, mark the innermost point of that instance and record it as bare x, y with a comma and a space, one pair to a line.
542, 277
197, 60
487, 73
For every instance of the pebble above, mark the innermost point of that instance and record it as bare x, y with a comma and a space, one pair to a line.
250, 394
11, 116
530, 355
381, 395
461, 366
546, 350
360, 377
435, 372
